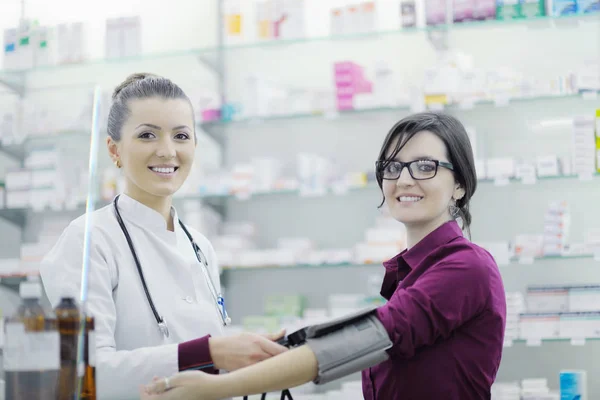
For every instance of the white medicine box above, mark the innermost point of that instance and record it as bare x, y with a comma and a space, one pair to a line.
541, 299
539, 326
18, 180
584, 298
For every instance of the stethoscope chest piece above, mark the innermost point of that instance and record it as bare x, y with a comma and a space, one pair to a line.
200, 255
163, 327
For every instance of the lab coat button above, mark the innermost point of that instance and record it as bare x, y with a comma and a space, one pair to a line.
189, 299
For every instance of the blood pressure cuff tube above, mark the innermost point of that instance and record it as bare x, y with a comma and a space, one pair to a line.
347, 345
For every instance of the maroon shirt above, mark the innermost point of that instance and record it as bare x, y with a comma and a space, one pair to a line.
445, 315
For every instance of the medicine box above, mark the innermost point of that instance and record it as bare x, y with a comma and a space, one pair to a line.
435, 12
539, 325
462, 10
564, 7
18, 180
597, 130
408, 14
542, 299
584, 298
261, 324
508, 9
580, 325
532, 8
285, 305
484, 9
573, 385
588, 6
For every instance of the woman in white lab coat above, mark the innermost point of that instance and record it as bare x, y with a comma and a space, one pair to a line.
153, 282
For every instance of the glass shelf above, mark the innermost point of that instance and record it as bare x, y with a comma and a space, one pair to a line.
488, 24
340, 114
538, 342
377, 265
211, 50
18, 150
17, 215
369, 186
13, 281
112, 61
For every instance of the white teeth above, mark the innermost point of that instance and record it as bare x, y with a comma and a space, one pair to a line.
407, 199
163, 170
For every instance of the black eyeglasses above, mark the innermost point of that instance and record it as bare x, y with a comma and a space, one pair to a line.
419, 169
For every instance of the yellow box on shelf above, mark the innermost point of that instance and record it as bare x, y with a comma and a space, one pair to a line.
597, 129
436, 99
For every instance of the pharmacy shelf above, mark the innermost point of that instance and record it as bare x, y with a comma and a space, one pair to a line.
513, 261
551, 21
373, 185
17, 216
13, 281
466, 105
12, 74
18, 150
539, 342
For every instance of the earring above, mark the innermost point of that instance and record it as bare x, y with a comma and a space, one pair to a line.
118, 163
454, 210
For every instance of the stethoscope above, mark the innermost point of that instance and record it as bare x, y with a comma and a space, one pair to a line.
218, 298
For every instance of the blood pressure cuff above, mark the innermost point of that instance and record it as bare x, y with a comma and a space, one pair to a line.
348, 344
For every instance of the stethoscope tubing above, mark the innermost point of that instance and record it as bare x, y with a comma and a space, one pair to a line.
219, 301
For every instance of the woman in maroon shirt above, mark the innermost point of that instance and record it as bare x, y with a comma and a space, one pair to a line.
446, 306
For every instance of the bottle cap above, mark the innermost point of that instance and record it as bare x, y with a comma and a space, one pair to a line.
30, 290
66, 292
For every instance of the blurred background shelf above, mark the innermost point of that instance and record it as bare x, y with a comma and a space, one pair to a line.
271, 268
14, 75
544, 21
469, 104
17, 216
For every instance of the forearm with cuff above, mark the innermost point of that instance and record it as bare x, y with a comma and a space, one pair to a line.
195, 355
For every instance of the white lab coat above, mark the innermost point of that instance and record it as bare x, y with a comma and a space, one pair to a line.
130, 348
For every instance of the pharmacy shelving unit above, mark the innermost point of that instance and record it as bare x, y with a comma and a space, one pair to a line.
520, 126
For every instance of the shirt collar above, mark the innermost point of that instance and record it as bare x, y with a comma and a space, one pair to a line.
412, 257
139, 214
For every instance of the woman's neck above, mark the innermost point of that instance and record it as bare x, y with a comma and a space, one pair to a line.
416, 233
160, 204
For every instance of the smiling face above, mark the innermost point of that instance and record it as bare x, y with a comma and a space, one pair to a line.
421, 205
157, 146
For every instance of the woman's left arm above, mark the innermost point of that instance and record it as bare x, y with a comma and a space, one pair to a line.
286, 370
441, 300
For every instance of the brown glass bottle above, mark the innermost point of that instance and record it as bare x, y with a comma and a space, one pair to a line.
31, 350
68, 318
88, 386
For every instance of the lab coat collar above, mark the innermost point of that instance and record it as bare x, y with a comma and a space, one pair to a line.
145, 217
